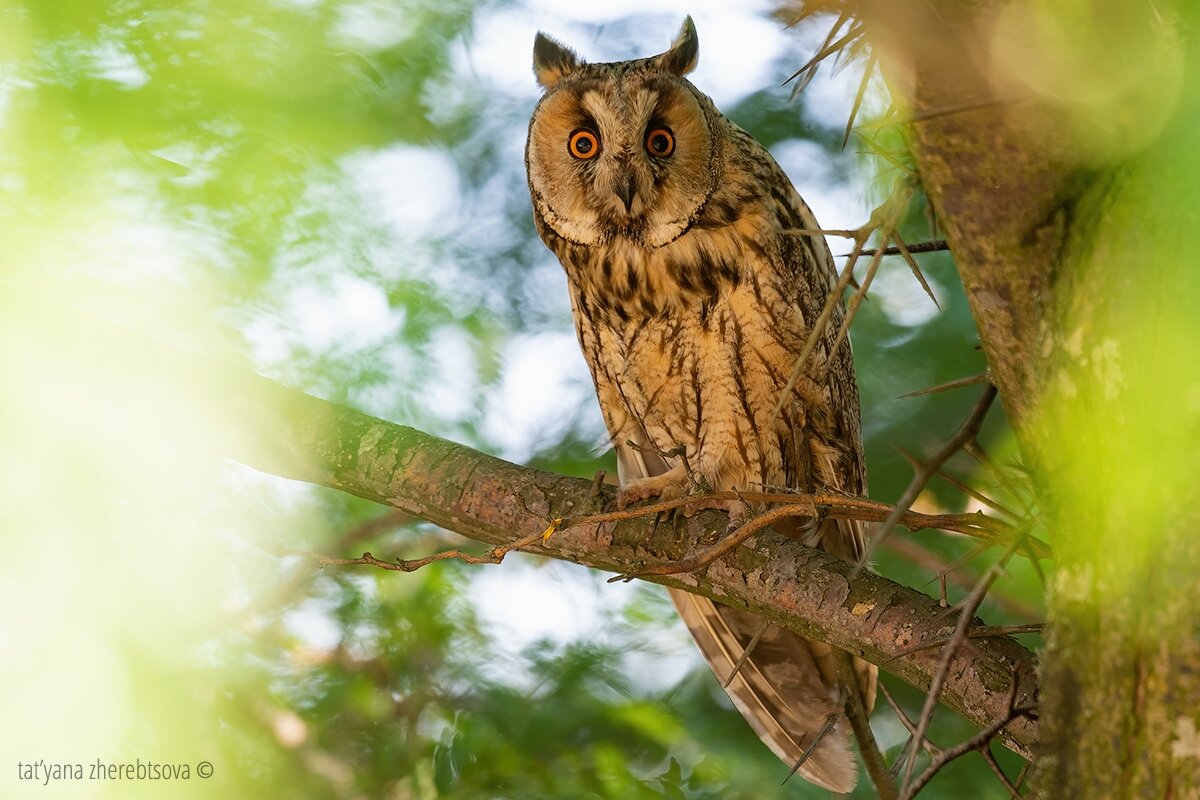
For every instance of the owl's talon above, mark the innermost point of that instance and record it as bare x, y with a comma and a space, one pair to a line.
667, 486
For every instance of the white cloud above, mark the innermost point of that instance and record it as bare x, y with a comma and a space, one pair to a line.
415, 189
836, 202
545, 384
901, 297
738, 44
340, 312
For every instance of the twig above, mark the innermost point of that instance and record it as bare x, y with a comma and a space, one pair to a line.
493, 556
965, 433
874, 148
822, 321
977, 742
737, 665
976, 452
1023, 774
966, 614
979, 632
935, 246
899, 203
908, 724
914, 267
911, 727
860, 723
839, 232
915, 463
840, 506
711, 554
986, 752
946, 111
858, 98
957, 383
830, 721
883, 217
962, 749
828, 48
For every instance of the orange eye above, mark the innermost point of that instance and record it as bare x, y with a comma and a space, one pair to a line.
583, 144
660, 142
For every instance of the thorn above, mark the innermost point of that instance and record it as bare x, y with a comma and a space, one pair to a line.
933, 246
745, 655
957, 383
858, 98
830, 721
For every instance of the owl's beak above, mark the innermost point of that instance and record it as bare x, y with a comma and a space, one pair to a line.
626, 191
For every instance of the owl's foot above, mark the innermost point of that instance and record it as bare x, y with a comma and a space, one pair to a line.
668, 486
677, 483
737, 510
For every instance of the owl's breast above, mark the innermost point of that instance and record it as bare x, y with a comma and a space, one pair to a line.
628, 280
705, 378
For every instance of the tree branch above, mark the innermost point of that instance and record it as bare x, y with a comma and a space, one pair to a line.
288, 433
500, 503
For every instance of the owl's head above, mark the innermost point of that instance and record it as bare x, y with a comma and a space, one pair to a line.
624, 149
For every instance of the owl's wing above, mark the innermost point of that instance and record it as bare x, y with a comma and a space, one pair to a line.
844, 538
786, 688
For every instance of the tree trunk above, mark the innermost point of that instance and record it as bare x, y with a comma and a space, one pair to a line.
1057, 144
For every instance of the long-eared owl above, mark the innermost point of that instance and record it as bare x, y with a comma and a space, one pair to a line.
693, 292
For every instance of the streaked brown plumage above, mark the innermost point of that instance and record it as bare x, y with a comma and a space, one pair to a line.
691, 304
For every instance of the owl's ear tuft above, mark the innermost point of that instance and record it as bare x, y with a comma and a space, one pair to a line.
552, 61
684, 53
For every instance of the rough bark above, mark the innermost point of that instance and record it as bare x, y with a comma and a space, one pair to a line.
496, 502
1066, 181
994, 170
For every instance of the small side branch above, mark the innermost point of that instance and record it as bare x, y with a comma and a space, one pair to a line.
949, 652
860, 723
980, 741
493, 556
965, 434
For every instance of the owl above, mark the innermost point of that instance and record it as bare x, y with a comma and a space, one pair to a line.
692, 295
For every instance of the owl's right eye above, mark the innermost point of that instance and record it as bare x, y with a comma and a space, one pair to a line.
583, 144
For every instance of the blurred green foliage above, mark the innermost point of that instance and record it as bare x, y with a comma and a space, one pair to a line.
332, 191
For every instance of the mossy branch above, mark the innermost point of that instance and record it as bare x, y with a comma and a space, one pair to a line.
499, 503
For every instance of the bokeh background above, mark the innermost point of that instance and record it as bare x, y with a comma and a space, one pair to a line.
332, 193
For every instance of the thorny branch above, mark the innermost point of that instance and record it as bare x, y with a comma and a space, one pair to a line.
978, 632
957, 383
966, 433
966, 615
885, 218
859, 716
979, 526
980, 741
964, 438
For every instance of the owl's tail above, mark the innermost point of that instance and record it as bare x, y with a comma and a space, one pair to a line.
786, 688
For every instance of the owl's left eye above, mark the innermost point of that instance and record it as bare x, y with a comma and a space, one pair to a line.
660, 142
